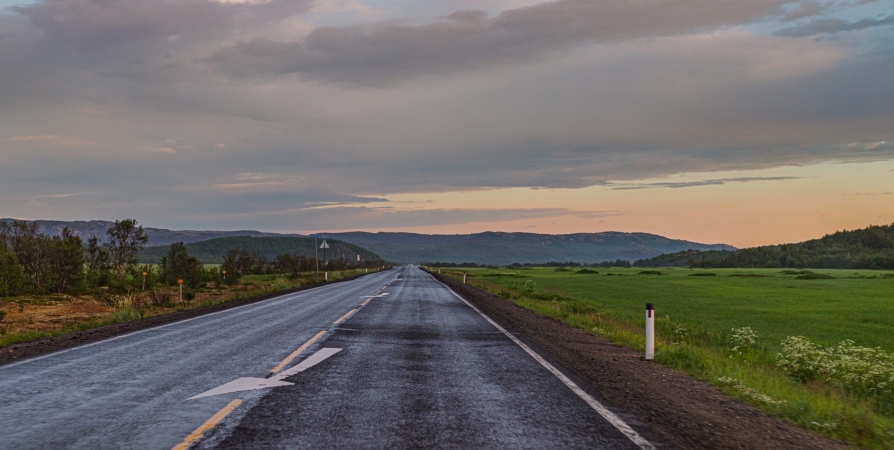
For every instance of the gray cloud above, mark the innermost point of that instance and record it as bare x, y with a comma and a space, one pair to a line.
830, 25
686, 184
96, 122
468, 40
91, 25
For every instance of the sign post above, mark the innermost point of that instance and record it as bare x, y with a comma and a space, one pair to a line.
316, 255
650, 332
144, 280
324, 246
180, 282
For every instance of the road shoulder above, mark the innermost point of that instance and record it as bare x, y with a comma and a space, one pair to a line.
680, 410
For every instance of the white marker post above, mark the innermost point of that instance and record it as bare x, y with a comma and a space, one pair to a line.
464, 278
144, 280
650, 332
180, 282
439, 270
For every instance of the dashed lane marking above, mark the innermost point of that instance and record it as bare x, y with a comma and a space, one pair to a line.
297, 352
209, 424
611, 417
344, 317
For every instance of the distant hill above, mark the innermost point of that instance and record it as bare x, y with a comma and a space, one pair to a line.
212, 251
157, 236
867, 248
505, 248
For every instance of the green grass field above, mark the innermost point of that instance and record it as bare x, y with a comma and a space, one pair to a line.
696, 314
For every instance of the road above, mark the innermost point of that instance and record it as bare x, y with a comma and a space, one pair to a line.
417, 368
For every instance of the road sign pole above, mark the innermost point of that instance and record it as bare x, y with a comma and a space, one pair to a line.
180, 282
316, 255
650, 332
144, 281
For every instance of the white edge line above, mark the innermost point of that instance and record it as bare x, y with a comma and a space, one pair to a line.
599, 407
134, 333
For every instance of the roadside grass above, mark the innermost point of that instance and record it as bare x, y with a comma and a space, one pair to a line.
27, 318
727, 329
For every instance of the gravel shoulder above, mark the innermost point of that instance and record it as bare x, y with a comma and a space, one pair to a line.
678, 410
51, 344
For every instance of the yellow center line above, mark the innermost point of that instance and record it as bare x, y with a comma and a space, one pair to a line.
344, 317
365, 302
209, 424
297, 352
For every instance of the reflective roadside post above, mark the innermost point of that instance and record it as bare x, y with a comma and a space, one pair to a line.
464, 278
144, 280
180, 282
224, 274
650, 332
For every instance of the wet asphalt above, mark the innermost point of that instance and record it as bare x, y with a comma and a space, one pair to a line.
130, 392
420, 369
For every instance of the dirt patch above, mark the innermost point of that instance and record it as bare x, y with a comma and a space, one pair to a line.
54, 343
675, 409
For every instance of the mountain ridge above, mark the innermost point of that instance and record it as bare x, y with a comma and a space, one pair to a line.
489, 247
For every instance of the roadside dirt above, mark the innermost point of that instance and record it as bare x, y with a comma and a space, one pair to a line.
38, 347
673, 409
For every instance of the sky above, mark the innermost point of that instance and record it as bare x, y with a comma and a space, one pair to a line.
719, 121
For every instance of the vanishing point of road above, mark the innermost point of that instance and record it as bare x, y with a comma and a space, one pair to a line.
392, 359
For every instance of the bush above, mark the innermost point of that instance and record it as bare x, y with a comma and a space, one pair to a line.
587, 272
862, 371
808, 275
650, 272
160, 298
703, 274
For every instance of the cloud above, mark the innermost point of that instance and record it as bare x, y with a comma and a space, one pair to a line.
47, 139
352, 218
833, 25
686, 184
91, 25
387, 53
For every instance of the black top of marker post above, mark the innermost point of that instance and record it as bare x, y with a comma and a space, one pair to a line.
649, 307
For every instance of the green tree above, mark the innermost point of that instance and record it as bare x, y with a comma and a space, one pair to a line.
66, 261
11, 273
177, 264
98, 263
126, 239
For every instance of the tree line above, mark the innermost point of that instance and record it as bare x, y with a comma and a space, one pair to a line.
867, 248
36, 263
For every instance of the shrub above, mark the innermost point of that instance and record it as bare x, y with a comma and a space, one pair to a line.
743, 339
862, 371
703, 274
586, 272
160, 298
650, 272
808, 275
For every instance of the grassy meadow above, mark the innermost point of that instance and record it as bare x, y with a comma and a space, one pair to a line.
813, 347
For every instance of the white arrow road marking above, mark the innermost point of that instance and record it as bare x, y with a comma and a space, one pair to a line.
313, 360
376, 296
250, 384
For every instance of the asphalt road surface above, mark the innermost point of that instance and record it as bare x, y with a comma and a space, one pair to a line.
418, 368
